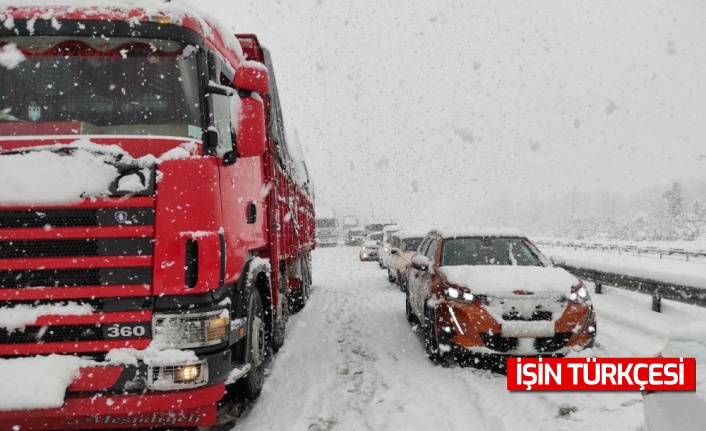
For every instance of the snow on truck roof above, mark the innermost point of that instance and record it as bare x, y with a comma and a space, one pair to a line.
470, 232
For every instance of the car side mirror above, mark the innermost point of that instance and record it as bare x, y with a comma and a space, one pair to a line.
252, 135
420, 262
378, 242
395, 251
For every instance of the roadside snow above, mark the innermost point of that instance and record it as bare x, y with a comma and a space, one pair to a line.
41, 388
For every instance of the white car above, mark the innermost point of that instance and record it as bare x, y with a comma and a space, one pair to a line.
385, 247
675, 411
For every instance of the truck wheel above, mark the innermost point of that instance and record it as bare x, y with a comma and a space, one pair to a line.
431, 342
280, 326
251, 385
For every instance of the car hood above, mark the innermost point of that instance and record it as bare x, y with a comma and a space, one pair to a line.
500, 279
370, 244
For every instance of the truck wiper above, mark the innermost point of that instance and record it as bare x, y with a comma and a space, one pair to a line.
62, 150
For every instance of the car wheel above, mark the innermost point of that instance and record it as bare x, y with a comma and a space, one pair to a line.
431, 342
390, 277
408, 309
251, 385
401, 283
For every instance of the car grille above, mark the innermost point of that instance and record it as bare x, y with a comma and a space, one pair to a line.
541, 345
537, 315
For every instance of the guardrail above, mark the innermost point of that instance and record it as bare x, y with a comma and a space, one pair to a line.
636, 250
657, 289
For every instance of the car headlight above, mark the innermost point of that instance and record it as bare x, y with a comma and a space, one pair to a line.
459, 295
579, 293
192, 329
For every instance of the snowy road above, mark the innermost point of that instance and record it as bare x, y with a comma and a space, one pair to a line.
352, 362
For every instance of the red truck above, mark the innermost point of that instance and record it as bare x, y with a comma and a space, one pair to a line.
155, 224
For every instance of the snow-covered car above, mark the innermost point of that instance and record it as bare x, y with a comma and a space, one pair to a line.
384, 248
404, 246
491, 292
369, 251
355, 236
673, 411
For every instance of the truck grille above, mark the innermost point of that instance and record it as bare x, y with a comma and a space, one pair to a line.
76, 247
58, 333
88, 217
75, 277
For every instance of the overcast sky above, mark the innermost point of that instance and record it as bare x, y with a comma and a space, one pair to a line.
427, 110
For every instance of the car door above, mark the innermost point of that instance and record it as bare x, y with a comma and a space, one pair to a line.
426, 277
413, 282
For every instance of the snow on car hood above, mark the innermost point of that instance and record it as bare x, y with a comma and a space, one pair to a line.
495, 279
370, 244
54, 175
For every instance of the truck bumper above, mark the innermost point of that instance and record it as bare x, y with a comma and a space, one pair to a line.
184, 408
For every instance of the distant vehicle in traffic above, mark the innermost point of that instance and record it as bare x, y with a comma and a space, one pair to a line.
384, 249
369, 251
674, 411
326, 227
350, 222
355, 236
377, 225
481, 292
404, 246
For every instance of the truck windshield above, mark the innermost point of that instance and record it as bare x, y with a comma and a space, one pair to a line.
82, 85
489, 251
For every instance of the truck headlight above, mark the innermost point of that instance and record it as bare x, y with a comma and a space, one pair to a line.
192, 329
173, 377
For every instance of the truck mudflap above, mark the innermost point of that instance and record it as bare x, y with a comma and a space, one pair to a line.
191, 408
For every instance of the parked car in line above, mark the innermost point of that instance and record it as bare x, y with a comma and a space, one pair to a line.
673, 411
492, 293
355, 236
384, 249
369, 251
404, 246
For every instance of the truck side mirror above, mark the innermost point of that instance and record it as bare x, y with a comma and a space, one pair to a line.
251, 134
252, 76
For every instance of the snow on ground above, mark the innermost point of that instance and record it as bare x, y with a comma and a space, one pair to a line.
692, 273
352, 362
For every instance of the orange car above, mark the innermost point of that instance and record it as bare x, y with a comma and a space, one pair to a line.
491, 292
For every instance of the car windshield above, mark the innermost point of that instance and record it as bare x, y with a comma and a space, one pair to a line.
489, 251
411, 244
83, 85
323, 222
374, 227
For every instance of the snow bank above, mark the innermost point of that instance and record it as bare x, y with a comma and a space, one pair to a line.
691, 332
667, 271
494, 279
42, 387
17, 317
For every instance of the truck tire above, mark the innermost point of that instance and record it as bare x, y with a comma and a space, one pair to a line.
280, 325
250, 385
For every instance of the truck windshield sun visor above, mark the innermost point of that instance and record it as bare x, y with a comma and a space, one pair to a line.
91, 86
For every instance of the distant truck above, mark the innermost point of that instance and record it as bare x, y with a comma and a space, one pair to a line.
349, 222
326, 227
159, 268
377, 225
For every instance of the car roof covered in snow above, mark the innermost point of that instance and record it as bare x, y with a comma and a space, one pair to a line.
410, 234
477, 232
